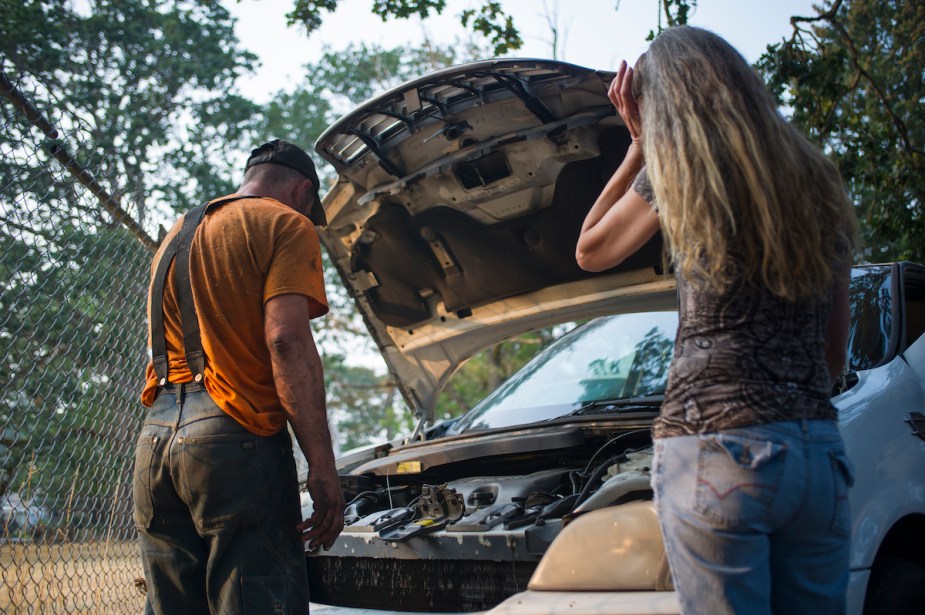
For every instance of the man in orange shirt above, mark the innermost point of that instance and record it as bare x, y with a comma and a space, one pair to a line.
233, 287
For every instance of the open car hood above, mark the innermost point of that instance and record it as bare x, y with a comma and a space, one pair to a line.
458, 205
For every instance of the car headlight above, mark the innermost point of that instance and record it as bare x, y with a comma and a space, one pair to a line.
618, 548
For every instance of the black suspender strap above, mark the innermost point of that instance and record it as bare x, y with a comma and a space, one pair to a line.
192, 344
179, 249
156, 311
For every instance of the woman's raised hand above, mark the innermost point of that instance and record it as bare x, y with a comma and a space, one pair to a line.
620, 94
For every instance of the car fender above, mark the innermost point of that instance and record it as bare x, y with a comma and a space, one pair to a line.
883, 450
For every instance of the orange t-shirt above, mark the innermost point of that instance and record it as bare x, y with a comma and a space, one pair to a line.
243, 254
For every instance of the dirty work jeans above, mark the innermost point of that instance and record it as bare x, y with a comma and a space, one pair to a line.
756, 520
216, 508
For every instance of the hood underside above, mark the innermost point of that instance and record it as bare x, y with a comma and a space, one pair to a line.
458, 205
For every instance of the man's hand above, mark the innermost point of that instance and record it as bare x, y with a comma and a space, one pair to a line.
327, 520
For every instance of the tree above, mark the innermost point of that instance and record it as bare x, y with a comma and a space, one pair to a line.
488, 19
151, 84
359, 71
365, 406
65, 335
675, 12
853, 79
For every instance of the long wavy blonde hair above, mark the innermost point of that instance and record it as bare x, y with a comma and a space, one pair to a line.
739, 189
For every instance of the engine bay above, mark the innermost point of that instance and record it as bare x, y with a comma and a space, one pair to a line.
435, 509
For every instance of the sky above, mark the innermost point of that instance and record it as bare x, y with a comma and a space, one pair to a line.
593, 33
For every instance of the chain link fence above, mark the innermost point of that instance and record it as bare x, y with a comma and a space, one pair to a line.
74, 268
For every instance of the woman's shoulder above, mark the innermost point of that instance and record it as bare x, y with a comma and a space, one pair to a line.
643, 187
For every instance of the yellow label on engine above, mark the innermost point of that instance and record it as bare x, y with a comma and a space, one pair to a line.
408, 467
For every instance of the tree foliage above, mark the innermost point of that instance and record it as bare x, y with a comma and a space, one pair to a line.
488, 19
487, 370
151, 82
675, 12
853, 79
365, 405
69, 358
359, 71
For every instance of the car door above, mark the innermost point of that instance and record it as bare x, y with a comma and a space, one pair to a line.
884, 388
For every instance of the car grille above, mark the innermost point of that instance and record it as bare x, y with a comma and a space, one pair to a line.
415, 585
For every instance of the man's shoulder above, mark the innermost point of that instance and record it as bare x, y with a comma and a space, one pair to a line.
259, 210
252, 201
261, 223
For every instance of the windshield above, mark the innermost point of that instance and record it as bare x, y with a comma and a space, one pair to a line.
626, 357
617, 357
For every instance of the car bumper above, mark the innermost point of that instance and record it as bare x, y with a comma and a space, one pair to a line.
554, 603
589, 603
327, 609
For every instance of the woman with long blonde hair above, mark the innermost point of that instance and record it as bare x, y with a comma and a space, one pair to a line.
750, 472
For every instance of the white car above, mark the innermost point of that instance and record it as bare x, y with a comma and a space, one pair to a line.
453, 225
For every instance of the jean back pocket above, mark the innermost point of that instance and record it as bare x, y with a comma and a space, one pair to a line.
142, 485
738, 478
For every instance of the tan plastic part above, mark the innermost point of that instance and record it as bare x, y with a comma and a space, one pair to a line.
618, 548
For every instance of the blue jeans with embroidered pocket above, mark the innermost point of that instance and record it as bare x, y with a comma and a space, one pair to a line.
216, 509
756, 520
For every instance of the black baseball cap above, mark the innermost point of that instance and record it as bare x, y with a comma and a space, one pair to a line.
289, 155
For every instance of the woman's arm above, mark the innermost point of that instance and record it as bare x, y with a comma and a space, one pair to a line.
620, 221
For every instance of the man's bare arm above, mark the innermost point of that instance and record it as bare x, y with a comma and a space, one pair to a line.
299, 379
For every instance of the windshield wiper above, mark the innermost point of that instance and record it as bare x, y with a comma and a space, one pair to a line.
606, 406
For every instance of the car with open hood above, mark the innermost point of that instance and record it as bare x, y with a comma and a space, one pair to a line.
453, 224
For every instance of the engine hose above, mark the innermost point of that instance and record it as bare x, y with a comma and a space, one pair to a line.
595, 478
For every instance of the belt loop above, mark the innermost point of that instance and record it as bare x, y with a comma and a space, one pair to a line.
804, 425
